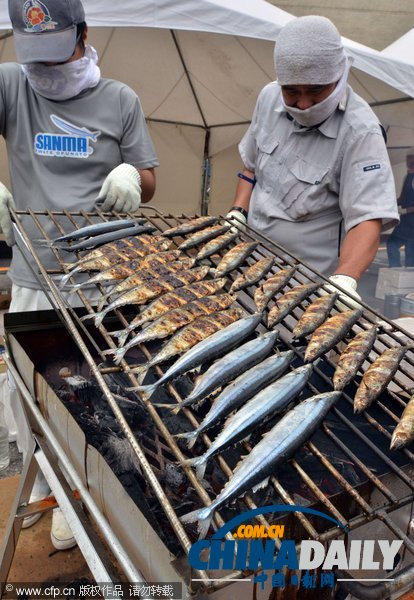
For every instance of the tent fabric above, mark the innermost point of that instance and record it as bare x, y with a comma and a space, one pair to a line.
198, 67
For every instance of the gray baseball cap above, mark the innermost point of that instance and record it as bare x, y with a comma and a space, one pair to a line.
45, 30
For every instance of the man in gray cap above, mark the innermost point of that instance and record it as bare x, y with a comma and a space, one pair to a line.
73, 140
317, 177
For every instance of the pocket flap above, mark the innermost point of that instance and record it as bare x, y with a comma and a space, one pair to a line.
307, 172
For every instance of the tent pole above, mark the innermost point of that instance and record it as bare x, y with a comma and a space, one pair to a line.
205, 190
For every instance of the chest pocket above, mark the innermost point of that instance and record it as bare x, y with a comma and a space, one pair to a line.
303, 188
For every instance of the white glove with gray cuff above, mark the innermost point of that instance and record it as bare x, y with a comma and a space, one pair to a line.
6, 224
349, 284
240, 217
121, 190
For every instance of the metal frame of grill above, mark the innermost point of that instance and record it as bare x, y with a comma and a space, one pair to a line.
391, 335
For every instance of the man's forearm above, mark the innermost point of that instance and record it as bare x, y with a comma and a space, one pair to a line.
359, 248
147, 184
244, 191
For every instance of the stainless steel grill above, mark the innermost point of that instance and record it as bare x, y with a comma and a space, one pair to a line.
340, 470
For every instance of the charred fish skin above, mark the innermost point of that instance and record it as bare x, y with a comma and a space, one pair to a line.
190, 226
276, 447
268, 403
253, 274
314, 315
234, 258
240, 390
352, 358
377, 377
231, 365
199, 237
271, 286
176, 299
331, 332
403, 434
286, 303
220, 341
175, 319
149, 290
216, 244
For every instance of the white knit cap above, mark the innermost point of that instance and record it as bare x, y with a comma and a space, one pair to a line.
309, 51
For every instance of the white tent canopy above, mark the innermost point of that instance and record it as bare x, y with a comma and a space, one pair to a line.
198, 66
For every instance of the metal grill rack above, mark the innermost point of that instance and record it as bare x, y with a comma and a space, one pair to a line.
360, 443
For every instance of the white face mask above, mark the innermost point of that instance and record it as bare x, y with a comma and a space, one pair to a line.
61, 82
318, 113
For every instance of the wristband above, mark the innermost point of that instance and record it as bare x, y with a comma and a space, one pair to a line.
249, 179
241, 210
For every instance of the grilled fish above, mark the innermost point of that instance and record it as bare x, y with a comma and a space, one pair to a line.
95, 229
404, 432
352, 358
286, 303
104, 238
190, 226
149, 290
239, 391
276, 447
176, 299
331, 332
212, 336
253, 274
266, 404
229, 366
271, 286
314, 315
145, 274
175, 319
234, 258
216, 244
377, 377
199, 237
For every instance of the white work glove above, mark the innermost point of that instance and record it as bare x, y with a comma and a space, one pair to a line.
6, 225
121, 190
350, 285
241, 220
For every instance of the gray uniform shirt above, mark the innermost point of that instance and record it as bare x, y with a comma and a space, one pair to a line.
60, 152
314, 185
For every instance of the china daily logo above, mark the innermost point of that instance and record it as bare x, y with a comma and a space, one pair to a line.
74, 143
256, 547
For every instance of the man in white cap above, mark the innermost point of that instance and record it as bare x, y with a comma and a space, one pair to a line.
317, 178
73, 140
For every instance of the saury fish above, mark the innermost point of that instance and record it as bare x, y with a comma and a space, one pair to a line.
94, 229
286, 303
352, 358
172, 320
229, 366
404, 432
209, 346
216, 244
271, 286
266, 404
276, 446
239, 391
166, 302
314, 315
377, 377
190, 226
104, 238
331, 332
199, 237
234, 258
149, 290
253, 274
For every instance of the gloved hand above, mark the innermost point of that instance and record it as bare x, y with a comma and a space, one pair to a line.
121, 190
6, 225
241, 220
350, 285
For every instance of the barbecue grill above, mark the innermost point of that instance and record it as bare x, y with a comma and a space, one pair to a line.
346, 469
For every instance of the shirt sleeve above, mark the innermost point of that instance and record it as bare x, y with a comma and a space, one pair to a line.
248, 143
367, 189
136, 145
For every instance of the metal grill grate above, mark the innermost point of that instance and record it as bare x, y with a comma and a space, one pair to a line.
337, 470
